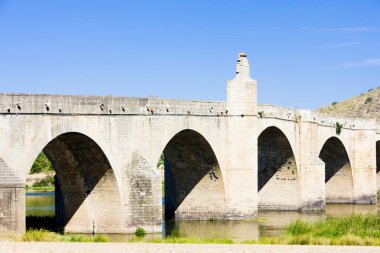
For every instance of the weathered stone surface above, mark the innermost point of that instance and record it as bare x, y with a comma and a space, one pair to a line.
105, 151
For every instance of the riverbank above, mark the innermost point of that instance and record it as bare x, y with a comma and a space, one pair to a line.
17, 247
354, 230
40, 188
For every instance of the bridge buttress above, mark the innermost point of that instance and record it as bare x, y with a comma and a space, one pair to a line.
310, 167
12, 201
241, 143
363, 163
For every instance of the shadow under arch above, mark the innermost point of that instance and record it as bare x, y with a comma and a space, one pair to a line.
193, 182
278, 183
87, 194
338, 172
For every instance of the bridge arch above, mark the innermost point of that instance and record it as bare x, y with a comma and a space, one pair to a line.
278, 180
338, 172
87, 193
193, 181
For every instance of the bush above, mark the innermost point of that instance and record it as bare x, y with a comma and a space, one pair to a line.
338, 128
40, 235
48, 181
368, 100
334, 103
41, 164
140, 232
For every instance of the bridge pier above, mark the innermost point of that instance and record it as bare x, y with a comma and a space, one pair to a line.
311, 167
241, 146
105, 152
12, 201
12, 208
363, 163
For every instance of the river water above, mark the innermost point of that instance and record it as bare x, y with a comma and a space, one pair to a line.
268, 223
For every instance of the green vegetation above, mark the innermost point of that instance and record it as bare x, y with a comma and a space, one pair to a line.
42, 188
192, 240
334, 103
41, 164
42, 235
160, 161
357, 229
140, 232
368, 100
46, 182
338, 128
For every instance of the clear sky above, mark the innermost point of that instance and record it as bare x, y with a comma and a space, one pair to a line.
304, 54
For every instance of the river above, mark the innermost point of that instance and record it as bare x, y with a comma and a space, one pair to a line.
268, 223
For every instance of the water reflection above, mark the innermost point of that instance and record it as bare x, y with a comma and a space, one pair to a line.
40, 204
268, 223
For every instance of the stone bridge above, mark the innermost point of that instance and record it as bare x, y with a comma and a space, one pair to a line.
223, 160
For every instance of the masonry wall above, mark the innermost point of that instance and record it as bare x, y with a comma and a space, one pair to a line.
132, 133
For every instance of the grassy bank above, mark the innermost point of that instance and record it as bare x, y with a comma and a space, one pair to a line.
358, 229
41, 235
40, 188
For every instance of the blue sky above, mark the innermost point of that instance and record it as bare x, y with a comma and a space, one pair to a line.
304, 54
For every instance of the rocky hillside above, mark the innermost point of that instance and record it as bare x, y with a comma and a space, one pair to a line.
367, 105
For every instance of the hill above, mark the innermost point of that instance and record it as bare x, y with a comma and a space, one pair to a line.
367, 105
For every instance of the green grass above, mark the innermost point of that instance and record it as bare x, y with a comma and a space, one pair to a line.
357, 229
40, 188
182, 240
41, 235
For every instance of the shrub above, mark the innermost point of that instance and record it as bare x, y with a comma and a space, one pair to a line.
48, 181
338, 128
140, 232
40, 235
368, 100
334, 103
41, 164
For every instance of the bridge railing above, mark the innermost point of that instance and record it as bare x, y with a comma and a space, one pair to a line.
272, 111
66, 104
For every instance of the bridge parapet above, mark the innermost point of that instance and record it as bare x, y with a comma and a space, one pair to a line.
348, 123
278, 112
282, 113
106, 105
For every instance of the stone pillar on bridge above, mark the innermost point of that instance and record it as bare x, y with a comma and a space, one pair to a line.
311, 168
241, 151
363, 164
12, 201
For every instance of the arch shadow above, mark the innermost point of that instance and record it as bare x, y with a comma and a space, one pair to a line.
277, 172
338, 172
194, 188
87, 194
